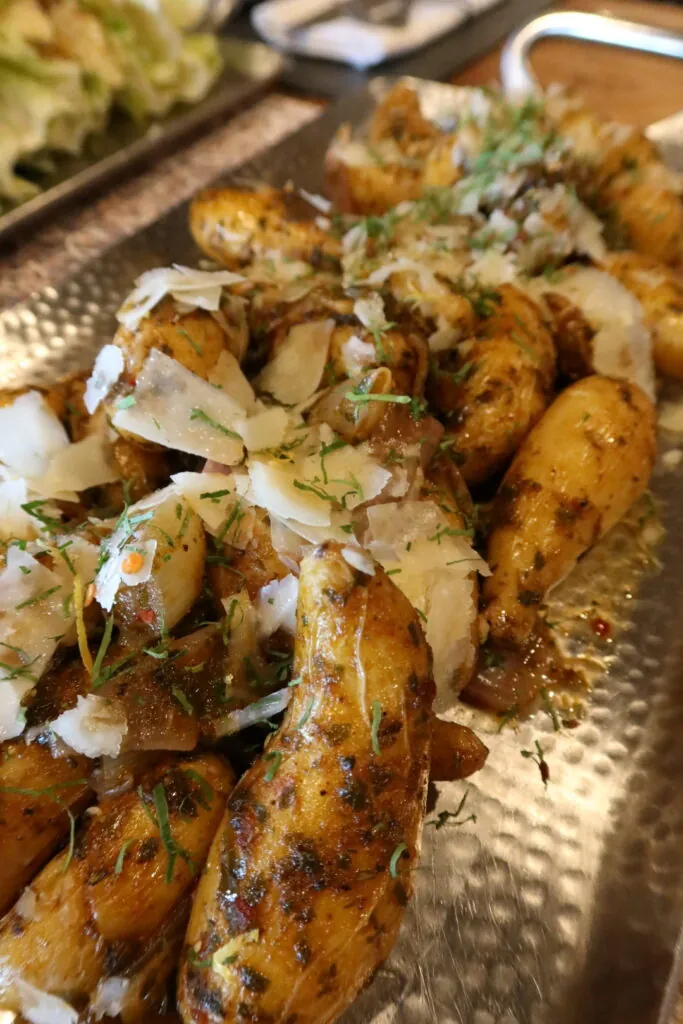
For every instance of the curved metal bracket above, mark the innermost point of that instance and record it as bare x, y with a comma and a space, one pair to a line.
516, 74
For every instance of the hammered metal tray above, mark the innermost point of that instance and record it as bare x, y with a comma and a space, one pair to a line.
560, 905
127, 144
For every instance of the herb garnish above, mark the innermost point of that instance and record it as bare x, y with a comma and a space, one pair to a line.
538, 756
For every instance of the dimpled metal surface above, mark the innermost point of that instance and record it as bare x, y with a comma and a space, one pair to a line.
560, 905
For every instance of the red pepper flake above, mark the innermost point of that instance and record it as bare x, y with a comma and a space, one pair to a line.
601, 628
147, 616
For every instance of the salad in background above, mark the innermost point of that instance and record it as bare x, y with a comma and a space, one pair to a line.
65, 64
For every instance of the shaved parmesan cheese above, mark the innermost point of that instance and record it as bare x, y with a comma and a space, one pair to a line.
76, 468
216, 498
275, 489
493, 268
358, 560
265, 429
110, 997
672, 459
357, 355
179, 410
353, 475
433, 564
337, 531
194, 289
14, 521
370, 312
96, 727
296, 368
621, 346
227, 375
106, 370
445, 337
40, 1007
30, 435
276, 606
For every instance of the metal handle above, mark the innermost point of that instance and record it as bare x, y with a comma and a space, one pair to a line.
516, 74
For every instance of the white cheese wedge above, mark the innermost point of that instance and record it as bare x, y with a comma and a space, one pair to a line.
296, 368
281, 492
193, 289
96, 727
30, 435
276, 606
179, 410
77, 467
227, 375
218, 499
265, 429
40, 1007
106, 371
14, 520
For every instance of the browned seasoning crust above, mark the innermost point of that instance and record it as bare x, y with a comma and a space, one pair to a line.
99, 914
308, 873
575, 476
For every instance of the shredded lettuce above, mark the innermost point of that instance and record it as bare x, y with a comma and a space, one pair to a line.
63, 67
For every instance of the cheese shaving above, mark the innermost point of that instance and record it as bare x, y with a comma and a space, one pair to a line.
296, 368
106, 371
96, 727
194, 289
30, 435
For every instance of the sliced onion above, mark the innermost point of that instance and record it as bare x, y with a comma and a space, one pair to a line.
260, 711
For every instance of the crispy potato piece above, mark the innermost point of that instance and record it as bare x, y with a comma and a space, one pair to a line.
143, 469
236, 226
36, 788
456, 751
96, 917
493, 390
367, 188
311, 870
650, 213
196, 339
573, 336
353, 421
574, 477
168, 701
398, 117
440, 170
491, 401
660, 291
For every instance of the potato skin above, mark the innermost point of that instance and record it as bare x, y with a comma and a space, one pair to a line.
92, 922
367, 189
577, 473
258, 222
32, 825
495, 388
303, 854
659, 289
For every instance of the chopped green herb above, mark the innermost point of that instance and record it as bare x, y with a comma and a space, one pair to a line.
363, 396
190, 340
538, 757
276, 757
452, 817
127, 402
203, 417
182, 700
508, 716
550, 709
214, 496
206, 791
162, 822
395, 857
62, 549
195, 960
31, 601
118, 867
102, 649
34, 508
306, 715
374, 730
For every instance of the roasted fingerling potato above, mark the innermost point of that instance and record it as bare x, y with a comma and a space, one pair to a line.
97, 908
312, 867
576, 474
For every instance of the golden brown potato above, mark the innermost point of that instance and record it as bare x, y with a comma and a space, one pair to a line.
573, 336
398, 117
367, 188
660, 291
355, 421
439, 168
142, 469
490, 401
251, 567
236, 226
100, 911
196, 339
456, 752
651, 215
312, 867
36, 789
169, 698
577, 473
491, 391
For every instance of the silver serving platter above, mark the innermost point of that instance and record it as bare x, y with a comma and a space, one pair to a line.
126, 144
560, 905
